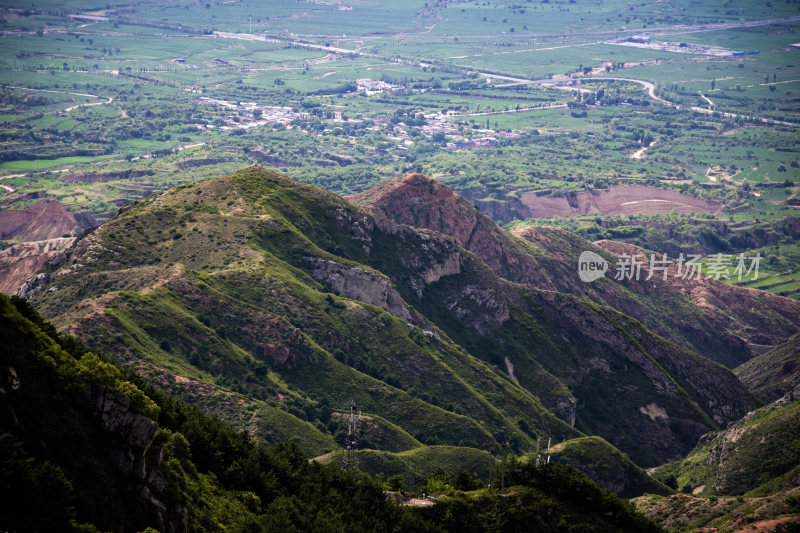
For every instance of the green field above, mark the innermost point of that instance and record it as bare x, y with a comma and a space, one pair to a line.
39, 164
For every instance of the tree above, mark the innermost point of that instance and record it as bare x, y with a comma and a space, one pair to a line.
395, 482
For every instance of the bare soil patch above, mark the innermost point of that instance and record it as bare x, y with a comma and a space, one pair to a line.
618, 200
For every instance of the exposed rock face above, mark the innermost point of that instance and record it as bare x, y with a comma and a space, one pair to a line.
422, 202
20, 261
360, 284
478, 307
410, 201
134, 451
136, 431
43, 231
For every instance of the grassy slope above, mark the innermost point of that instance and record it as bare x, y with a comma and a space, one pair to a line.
757, 455
607, 466
218, 296
415, 465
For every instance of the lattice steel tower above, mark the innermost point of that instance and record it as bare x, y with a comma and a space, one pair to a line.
350, 460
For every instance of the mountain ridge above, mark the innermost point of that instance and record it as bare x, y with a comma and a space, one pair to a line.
547, 258
279, 291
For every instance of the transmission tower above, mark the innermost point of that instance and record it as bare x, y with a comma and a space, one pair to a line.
503, 447
350, 459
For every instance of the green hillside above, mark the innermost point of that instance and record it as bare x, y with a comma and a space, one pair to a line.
418, 464
606, 466
81, 451
758, 455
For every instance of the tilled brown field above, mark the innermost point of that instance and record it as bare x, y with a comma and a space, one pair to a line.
618, 200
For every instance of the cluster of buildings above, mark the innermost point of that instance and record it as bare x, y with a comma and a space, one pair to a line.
370, 86
250, 114
455, 139
246, 115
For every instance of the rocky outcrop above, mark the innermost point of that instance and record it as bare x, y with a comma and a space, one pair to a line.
419, 201
757, 450
135, 455
478, 307
359, 284
42, 232
20, 261
136, 432
729, 451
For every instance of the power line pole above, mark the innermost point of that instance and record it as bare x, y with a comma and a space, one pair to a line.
350, 460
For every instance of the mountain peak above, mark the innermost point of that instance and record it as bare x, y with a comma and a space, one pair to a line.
417, 178
418, 200
414, 187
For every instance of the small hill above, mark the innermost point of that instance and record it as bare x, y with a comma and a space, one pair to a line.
606, 466
545, 498
774, 373
417, 464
